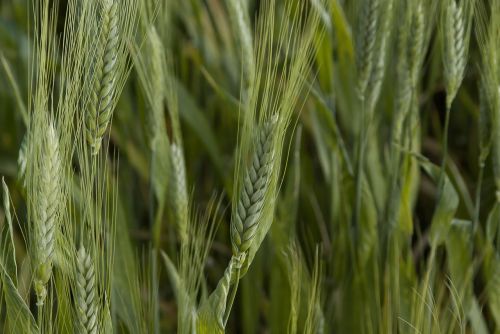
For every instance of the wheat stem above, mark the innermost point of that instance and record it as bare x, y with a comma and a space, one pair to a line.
218, 300
359, 169
234, 272
445, 146
477, 205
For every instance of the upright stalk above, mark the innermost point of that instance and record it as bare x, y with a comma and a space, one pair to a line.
39, 308
359, 167
477, 206
426, 287
445, 146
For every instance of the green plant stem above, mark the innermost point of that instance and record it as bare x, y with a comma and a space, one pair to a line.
240, 257
425, 286
445, 146
157, 207
477, 205
399, 164
154, 282
232, 297
359, 167
157, 224
39, 318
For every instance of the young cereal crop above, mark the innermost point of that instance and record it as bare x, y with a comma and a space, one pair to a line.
246, 166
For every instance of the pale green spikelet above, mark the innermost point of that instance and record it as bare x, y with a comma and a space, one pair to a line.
180, 190
240, 21
416, 42
150, 67
6, 202
378, 70
377, 78
403, 92
21, 161
85, 295
455, 53
245, 220
403, 89
149, 63
156, 57
366, 43
101, 108
47, 206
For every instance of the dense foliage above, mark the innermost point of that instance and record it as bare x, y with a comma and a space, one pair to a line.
244, 166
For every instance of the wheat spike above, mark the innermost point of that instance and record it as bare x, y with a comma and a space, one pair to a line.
416, 43
21, 161
405, 56
366, 43
376, 79
251, 200
156, 85
378, 67
101, 108
240, 21
85, 299
180, 192
455, 52
48, 201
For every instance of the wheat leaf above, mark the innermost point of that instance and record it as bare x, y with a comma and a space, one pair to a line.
7, 245
18, 314
446, 207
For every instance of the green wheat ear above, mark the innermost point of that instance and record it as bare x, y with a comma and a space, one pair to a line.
180, 191
455, 52
253, 192
240, 21
85, 297
22, 161
101, 108
366, 43
48, 201
416, 42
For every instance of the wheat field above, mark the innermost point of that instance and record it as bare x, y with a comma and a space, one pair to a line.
250, 166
